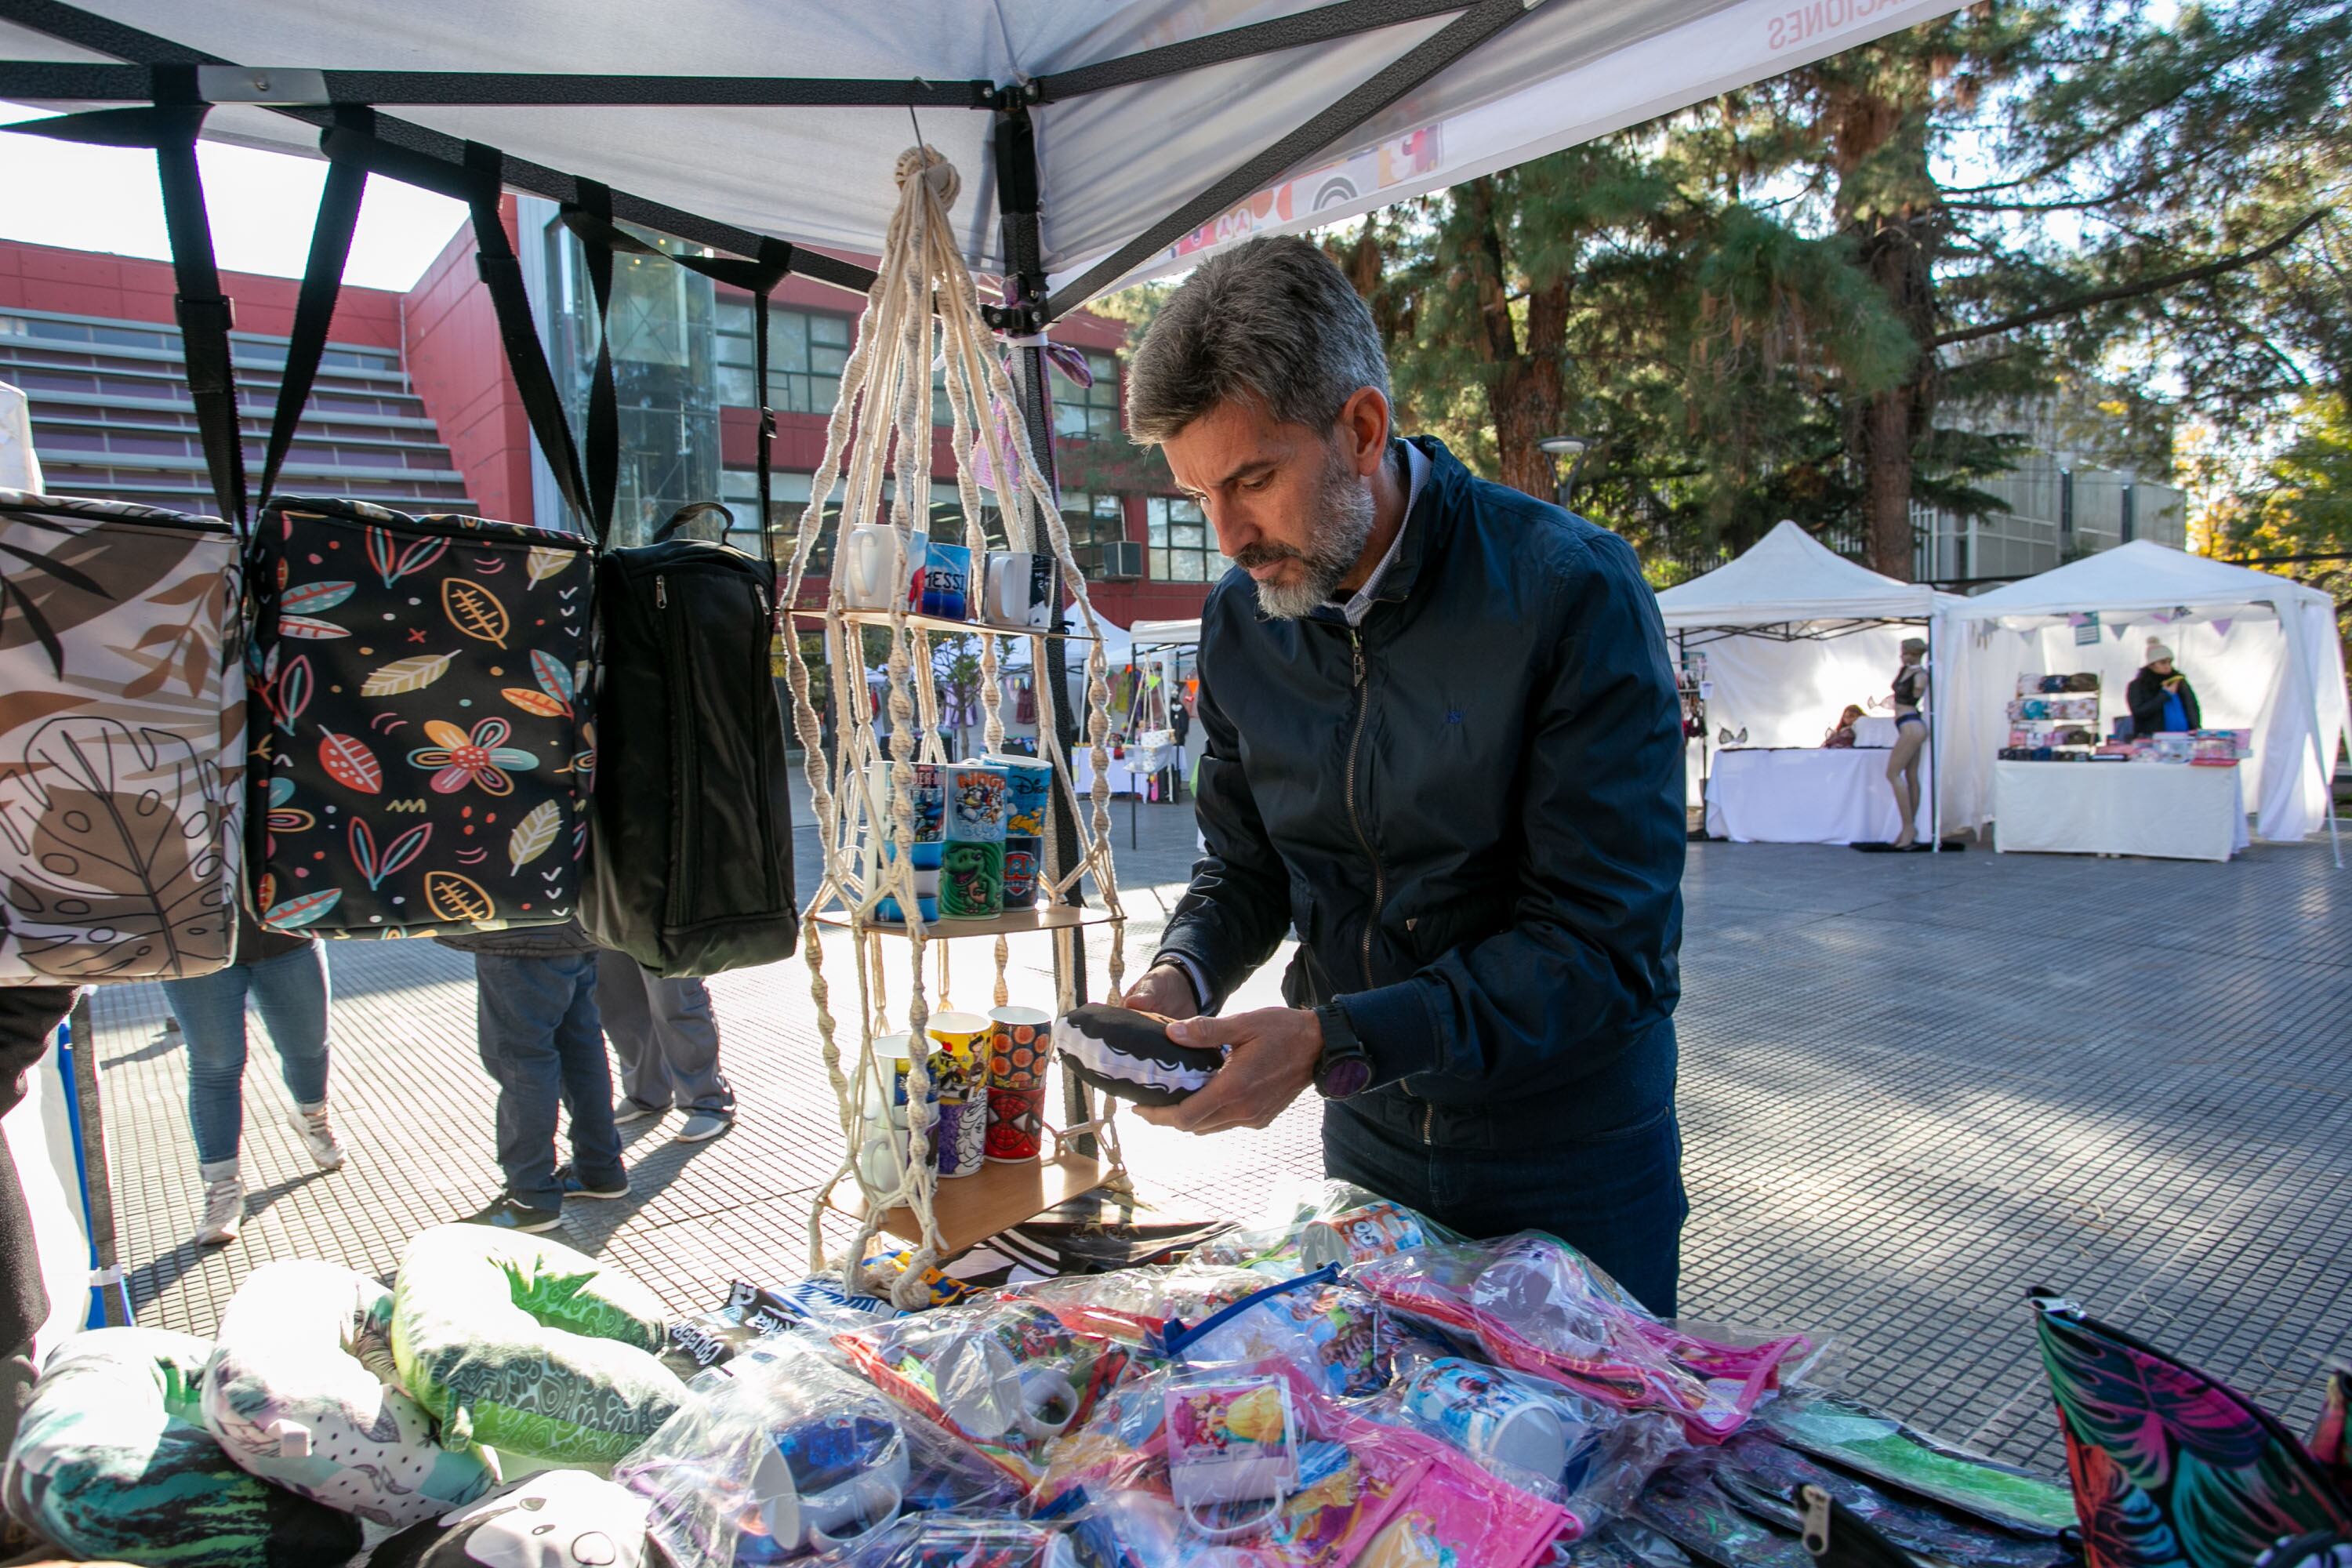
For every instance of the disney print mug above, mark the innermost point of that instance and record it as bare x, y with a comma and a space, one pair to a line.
1376, 1230
1488, 1417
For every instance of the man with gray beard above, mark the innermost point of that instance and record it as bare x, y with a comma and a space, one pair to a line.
1443, 746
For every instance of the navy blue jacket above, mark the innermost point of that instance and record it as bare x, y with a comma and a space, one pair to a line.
1470, 809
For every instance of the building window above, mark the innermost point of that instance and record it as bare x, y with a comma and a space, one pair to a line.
806, 349
1183, 549
1094, 522
1088, 413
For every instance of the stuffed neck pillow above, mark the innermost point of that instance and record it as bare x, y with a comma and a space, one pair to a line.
1130, 1055
113, 1459
528, 1347
557, 1518
301, 1390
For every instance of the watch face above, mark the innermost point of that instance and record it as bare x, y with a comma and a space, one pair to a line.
1346, 1077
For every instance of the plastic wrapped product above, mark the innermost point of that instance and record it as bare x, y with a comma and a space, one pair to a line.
1130, 1055
1855, 1438
1533, 1303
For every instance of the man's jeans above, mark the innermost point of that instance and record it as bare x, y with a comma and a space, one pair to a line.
289, 992
1616, 1197
664, 1035
542, 1042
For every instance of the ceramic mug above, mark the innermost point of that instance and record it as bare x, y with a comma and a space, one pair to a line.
1016, 1123
972, 882
1023, 857
978, 801
828, 1484
866, 569
1489, 1417
947, 1541
965, 1034
947, 581
1017, 590
1028, 786
960, 1139
1019, 1039
930, 801
1376, 1230
988, 1390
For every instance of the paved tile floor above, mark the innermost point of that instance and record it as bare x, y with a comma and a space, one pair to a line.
1912, 1087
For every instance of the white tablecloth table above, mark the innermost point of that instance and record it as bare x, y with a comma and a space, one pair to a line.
2165, 809
1122, 769
1803, 795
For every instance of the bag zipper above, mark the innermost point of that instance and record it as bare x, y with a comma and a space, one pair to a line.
1817, 1519
1380, 876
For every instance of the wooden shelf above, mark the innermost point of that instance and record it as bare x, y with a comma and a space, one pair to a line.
971, 1209
934, 624
1018, 922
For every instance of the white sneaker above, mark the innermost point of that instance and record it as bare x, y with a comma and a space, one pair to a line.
318, 1135
629, 1111
224, 1204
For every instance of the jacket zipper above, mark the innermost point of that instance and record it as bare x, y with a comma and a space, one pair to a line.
1379, 877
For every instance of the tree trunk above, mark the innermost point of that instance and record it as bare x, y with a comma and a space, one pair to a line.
1523, 381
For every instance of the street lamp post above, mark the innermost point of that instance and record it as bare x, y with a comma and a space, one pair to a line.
1571, 449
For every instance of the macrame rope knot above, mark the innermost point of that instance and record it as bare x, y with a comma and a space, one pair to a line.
945, 183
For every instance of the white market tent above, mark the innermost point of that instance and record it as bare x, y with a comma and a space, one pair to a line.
2261, 650
1792, 632
1166, 634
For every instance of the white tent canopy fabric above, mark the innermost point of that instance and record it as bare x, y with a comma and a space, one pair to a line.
1165, 634
2261, 651
1114, 163
1789, 577
1792, 633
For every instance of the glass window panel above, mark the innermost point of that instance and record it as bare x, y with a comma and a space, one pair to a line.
828, 328
1159, 566
1188, 534
1109, 506
735, 386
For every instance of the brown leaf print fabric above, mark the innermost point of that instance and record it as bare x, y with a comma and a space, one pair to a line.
122, 741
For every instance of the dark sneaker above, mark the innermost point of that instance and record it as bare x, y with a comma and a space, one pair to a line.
508, 1214
575, 1186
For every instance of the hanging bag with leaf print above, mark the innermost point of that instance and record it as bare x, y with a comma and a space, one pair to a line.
422, 745
122, 703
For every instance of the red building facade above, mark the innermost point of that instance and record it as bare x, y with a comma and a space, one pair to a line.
416, 406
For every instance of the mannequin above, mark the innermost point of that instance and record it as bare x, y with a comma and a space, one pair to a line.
1903, 765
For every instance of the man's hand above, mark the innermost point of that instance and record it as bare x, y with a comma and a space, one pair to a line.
1271, 1063
1165, 992
2172, 683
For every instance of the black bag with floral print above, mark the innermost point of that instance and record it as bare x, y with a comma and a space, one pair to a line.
422, 740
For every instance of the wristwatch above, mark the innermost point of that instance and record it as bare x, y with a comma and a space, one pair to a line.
1343, 1070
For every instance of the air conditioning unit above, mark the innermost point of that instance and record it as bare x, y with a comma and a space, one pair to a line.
1122, 562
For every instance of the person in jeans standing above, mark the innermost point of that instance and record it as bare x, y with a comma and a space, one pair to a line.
543, 1044
667, 1039
285, 976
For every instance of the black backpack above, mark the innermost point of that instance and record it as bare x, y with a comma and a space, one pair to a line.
690, 863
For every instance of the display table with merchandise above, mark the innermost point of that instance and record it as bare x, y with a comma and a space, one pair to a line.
1810, 794
1128, 773
2169, 810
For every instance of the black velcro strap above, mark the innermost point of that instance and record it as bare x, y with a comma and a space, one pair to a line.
594, 207
314, 309
501, 273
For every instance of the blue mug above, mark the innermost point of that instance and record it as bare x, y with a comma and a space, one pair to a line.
947, 581
1028, 786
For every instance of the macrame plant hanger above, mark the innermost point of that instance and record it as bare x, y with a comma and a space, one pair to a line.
923, 310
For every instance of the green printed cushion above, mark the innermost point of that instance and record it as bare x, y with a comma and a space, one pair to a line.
525, 1346
301, 1390
113, 1459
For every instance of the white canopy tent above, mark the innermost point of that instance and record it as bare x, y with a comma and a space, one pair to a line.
1792, 633
1161, 127
2261, 649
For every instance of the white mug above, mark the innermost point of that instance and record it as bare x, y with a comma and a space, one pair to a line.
984, 1390
833, 1520
1018, 590
864, 568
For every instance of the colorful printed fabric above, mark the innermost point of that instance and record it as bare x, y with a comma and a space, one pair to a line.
303, 1392
1535, 1304
424, 766
122, 741
2331, 1441
112, 1460
2169, 1464
521, 1344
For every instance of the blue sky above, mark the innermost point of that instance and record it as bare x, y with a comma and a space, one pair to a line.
262, 204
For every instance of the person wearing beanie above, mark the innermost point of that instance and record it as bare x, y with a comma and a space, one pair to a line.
1903, 765
2162, 701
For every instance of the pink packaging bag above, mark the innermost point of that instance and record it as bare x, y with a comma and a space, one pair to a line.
1460, 1514
1535, 1304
